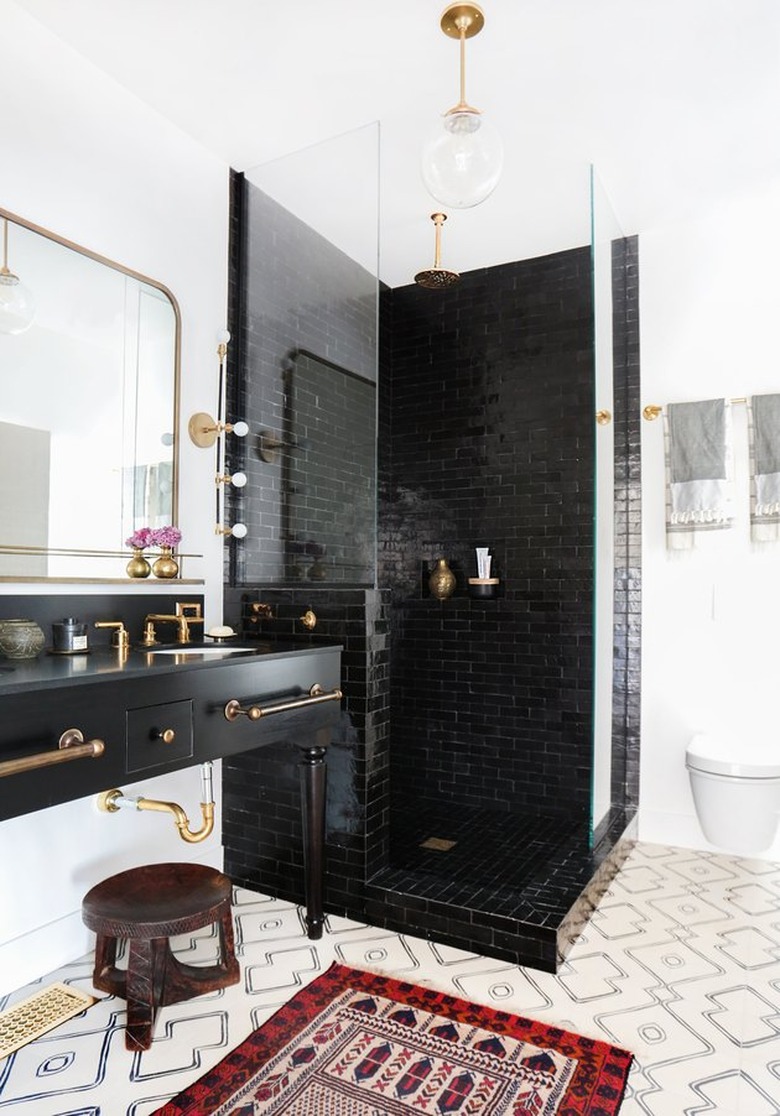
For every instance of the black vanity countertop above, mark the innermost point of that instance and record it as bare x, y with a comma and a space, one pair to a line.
49, 671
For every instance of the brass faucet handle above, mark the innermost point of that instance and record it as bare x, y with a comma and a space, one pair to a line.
150, 635
191, 609
121, 637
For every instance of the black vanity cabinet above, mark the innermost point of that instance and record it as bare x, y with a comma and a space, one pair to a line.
156, 714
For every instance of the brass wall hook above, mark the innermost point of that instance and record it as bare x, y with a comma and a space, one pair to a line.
309, 619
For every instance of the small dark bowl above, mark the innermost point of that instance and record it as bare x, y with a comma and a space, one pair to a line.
483, 588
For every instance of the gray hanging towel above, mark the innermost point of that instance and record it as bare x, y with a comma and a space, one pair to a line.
699, 488
764, 440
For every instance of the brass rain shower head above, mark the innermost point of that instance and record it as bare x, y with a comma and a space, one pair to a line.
437, 277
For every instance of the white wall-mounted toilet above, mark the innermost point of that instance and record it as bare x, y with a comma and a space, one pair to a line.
736, 792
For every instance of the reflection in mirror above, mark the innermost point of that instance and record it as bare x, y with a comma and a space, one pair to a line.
87, 411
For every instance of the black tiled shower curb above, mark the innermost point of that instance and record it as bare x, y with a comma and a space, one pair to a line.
549, 913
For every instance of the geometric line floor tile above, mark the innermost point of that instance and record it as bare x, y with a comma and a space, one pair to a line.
684, 973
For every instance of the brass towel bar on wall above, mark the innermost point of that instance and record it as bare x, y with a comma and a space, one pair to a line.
316, 696
71, 747
652, 410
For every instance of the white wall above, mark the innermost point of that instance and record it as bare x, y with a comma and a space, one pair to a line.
82, 157
709, 298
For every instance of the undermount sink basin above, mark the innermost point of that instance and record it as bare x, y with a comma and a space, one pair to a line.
212, 649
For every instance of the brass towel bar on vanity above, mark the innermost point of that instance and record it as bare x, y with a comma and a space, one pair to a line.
316, 696
71, 746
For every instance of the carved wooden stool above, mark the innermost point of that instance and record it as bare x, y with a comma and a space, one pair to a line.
147, 906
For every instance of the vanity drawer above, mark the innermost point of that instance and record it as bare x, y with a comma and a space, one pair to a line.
159, 734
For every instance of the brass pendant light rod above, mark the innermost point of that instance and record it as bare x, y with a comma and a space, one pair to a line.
4, 269
462, 21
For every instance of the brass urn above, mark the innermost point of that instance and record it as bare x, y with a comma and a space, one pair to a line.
138, 565
166, 565
442, 580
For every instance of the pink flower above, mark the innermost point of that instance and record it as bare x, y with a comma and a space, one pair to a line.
166, 536
140, 538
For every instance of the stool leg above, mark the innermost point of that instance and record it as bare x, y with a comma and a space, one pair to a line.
145, 989
104, 975
229, 962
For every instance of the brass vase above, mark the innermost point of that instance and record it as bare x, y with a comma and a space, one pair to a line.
138, 566
166, 565
442, 580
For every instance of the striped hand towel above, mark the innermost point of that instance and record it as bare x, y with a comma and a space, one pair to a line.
764, 438
699, 488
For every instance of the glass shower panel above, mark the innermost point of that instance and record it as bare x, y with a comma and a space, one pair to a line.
605, 231
308, 354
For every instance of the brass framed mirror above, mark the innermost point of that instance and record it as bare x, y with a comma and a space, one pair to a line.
89, 438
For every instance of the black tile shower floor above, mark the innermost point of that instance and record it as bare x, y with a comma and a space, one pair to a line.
511, 865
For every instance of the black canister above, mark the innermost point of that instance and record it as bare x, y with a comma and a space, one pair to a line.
69, 637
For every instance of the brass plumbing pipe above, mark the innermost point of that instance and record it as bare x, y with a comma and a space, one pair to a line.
113, 800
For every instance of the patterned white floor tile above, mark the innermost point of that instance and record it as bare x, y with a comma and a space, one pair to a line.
750, 949
754, 900
680, 964
594, 976
618, 922
389, 954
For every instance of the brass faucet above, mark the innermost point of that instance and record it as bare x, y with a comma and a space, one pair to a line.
120, 639
181, 621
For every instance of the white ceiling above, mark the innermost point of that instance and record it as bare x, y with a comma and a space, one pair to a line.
675, 102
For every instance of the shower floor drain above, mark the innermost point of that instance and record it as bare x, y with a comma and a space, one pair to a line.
439, 844
33, 1017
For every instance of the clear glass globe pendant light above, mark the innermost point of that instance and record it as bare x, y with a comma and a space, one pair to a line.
17, 308
461, 164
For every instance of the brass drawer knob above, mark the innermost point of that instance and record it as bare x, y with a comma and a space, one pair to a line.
166, 735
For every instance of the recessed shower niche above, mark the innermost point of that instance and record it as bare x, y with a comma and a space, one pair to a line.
463, 719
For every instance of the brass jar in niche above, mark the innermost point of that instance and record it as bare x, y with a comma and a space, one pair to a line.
442, 580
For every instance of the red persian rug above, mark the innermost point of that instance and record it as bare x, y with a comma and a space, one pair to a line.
357, 1044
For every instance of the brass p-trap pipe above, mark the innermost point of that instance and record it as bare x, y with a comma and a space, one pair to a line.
111, 801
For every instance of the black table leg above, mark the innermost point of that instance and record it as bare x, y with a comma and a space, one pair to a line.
314, 771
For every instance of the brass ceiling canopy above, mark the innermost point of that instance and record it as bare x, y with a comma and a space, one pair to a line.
462, 19
437, 277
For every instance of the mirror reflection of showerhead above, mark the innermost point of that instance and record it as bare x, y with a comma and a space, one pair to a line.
437, 277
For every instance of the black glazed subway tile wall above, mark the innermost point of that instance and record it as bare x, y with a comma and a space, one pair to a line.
492, 444
262, 819
628, 525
